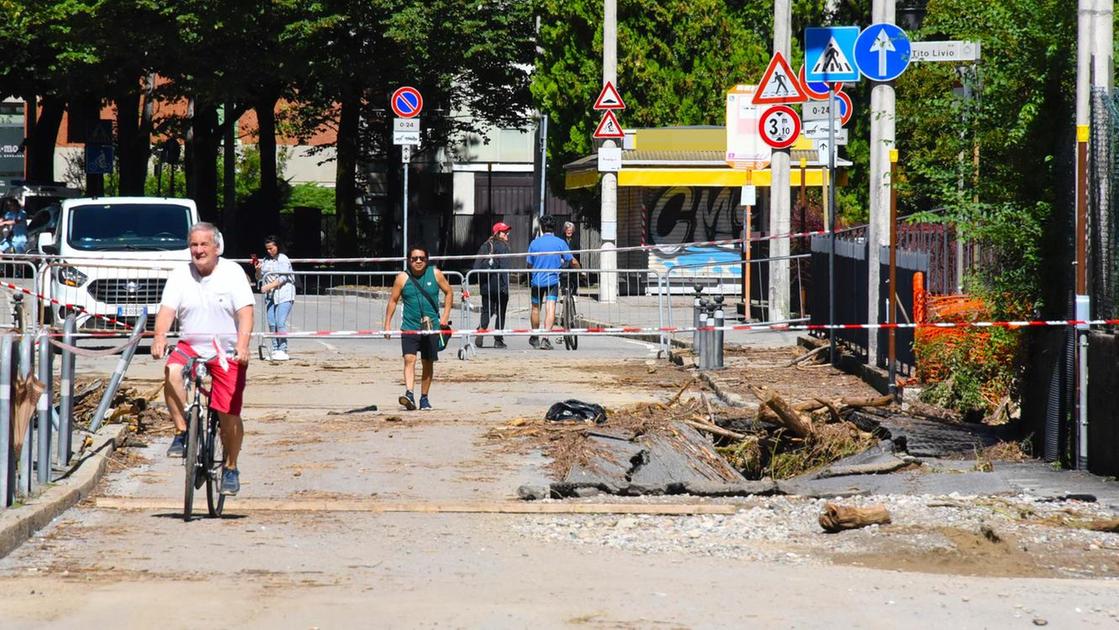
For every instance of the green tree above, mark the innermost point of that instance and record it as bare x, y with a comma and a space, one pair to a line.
469, 59
1017, 124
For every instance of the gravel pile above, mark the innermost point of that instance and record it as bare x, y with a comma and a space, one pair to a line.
786, 529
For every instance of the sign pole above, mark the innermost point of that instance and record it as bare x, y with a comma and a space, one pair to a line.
608, 221
405, 150
831, 227
893, 313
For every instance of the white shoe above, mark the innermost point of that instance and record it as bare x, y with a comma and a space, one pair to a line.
279, 355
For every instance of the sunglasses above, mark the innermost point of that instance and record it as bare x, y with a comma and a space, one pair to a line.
420, 258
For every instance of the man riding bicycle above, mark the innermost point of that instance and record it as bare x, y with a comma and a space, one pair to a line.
213, 301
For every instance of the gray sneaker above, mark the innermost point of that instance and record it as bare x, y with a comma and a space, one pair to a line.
534, 341
230, 481
545, 344
178, 445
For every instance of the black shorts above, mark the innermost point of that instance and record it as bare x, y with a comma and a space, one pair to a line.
426, 345
544, 294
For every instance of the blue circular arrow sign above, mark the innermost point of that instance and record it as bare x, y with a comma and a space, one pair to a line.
882, 52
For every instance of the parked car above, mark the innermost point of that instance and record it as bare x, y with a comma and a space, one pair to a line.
115, 254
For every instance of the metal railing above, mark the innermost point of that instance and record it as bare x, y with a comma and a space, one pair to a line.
640, 303
19, 304
681, 281
328, 300
45, 432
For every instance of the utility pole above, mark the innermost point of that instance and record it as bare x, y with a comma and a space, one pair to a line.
780, 192
882, 139
608, 226
1094, 69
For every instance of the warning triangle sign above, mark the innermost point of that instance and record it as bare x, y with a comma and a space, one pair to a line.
779, 84
833, 61
609, 98
608, 127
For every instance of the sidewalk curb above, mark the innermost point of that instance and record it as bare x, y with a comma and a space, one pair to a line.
728, 398
18, 524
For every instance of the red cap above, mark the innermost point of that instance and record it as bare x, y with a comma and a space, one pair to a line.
500, 227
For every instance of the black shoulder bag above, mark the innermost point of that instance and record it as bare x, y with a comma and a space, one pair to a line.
444, 336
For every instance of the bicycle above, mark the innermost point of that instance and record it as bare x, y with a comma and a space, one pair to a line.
203, 461
567, 316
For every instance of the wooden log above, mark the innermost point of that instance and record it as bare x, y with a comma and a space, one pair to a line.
837, 517
831, 410
859, 403
806, 356
684, 388
790, 418
716, 430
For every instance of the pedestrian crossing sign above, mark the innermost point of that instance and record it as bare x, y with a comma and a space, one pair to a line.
779, 85
829, 53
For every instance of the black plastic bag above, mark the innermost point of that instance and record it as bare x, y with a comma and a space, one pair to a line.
576, 410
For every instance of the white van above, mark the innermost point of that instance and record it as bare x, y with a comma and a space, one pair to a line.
115, 256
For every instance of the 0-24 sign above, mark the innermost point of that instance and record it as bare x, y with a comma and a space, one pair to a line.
779, 126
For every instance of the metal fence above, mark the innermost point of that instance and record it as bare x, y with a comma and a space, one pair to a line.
37, 442
640, 302
327, 300
19, 304
103, 296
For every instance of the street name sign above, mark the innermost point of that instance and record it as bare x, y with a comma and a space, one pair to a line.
779, 126
950, 51
609, 98
407, 102
779, 85
745, 147
829, 53
882, 52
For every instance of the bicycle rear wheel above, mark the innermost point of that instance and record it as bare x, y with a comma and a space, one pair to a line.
215, 455
571, 342
190, 461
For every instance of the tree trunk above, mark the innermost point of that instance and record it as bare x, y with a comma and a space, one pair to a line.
204, 158
44, 137
134, 144
345, 182
268, 221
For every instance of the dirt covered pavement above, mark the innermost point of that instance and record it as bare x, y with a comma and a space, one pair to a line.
307, 543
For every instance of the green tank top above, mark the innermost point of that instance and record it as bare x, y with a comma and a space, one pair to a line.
415, 304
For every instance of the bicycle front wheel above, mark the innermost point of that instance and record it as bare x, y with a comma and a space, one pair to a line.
568, 322
215, 456
190, 461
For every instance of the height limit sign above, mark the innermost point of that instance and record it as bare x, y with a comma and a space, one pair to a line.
779, 126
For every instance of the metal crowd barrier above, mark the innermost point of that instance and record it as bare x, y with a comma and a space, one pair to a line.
639, 304
46, 437
340, 300
103, 296
680, 283
18, 309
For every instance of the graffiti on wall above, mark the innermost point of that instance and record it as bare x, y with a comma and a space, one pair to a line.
688, 214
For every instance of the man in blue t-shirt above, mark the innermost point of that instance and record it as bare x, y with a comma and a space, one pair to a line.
545, 276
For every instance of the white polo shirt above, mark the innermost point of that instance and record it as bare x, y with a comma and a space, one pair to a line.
207, 306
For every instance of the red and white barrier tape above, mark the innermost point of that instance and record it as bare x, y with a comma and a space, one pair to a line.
109, 319
645, 330
138, 262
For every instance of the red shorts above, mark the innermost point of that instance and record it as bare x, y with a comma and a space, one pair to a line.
227, 387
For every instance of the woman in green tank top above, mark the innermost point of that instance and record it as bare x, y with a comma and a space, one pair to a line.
418, 288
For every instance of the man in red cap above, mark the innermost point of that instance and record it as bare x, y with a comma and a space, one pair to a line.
493, 281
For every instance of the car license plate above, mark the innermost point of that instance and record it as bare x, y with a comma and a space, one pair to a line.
130, 310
